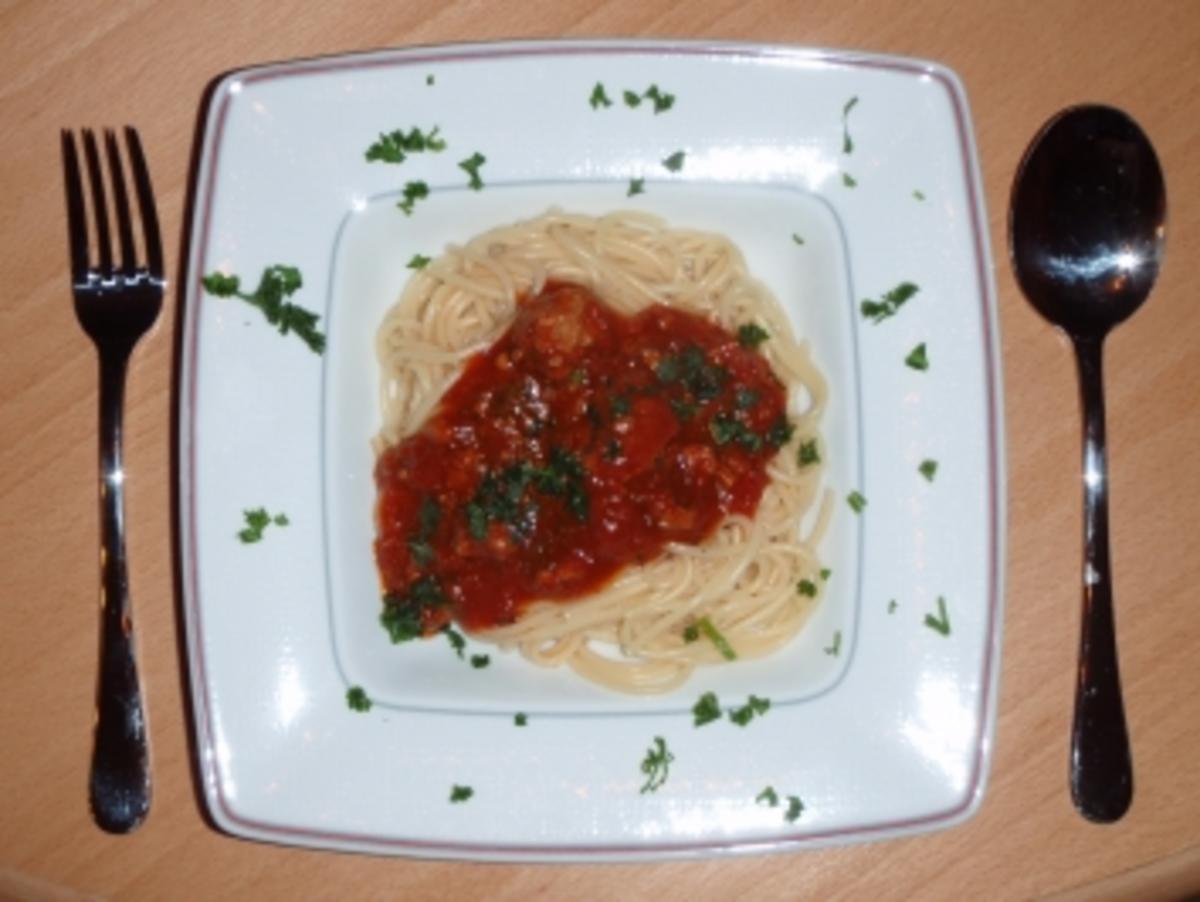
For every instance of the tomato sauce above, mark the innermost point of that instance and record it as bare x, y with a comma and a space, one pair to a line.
581, 442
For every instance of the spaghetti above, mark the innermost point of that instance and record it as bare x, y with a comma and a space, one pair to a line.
638, 631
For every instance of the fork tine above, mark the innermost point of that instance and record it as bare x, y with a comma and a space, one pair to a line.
121, 202
145, 193
99, 203
76, 215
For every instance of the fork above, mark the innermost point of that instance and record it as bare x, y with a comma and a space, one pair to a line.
116, 305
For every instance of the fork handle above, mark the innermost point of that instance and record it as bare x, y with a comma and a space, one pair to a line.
120, 779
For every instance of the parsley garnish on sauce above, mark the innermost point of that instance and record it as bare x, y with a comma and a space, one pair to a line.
940, 623
656, 765
401, 615
277, 283
928, 469
471, 167
691, 369
428, 518
413, 192
418, 261
636, 186
918, 358
725, 429
754, 707
847, 141
460, 793
599, 97
674, 163
889, 304
357, 699
258, 520
856, 501
395, 146
751, 335
706, 710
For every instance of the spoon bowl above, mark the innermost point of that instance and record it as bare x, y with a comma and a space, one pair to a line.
1087, 226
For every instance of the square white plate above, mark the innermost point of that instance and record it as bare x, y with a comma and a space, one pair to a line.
886, 730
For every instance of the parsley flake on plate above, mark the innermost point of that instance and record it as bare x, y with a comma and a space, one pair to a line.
480, 661
357, 699
941, 623
928, 469
599, 97
257, 520
847, 141
636, 186
520, 719
395, 146
856, 501
797, 239
889, 304
767, 797
460, 793
835, 648
418, 261
656, 765
706, 710
276, 283
456, 639
471, 167
794, 809
754, 707
918, 358
918, 194
849, 181
413, 192
892, 605
674, 163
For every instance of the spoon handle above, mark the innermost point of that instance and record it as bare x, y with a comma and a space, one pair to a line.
1101, 767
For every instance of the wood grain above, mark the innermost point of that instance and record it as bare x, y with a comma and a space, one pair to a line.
69, 64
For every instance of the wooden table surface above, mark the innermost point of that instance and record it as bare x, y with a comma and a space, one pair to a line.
147, 62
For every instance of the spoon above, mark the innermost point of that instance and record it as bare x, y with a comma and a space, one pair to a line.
1086, 230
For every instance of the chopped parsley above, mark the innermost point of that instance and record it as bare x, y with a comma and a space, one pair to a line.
460, 793
674, 163
892, 606
636, 186
917, 358
684, 410
849, 181
797, 239
418, 261
825, 573
928, 469
940, 623
780, 432
620, 406
716, 638
706, 710
767, 797
808, 454
281, 520
428, 518
395, 146
599, 97
754, 707
835, 647
856, 501
918, 194
402, 613
807, 587
256, 521
889, 303
847, 141
429, 79
656, 765
277, 282
725, 429
751, 335
691, 633
413, 192
632, 98
794, 808
661, 99
520, 719
456, 639
691, 369
480, 661
357, 699
501, 496
471, 167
